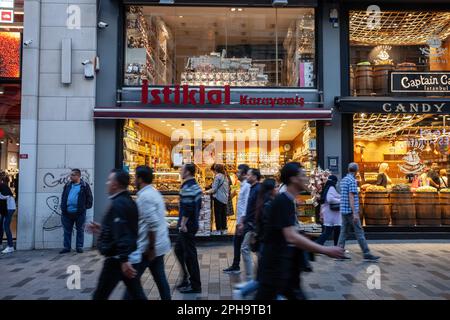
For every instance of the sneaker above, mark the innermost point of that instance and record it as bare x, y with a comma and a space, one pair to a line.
182, 285
345, 257
237, 295
371, 258
80, 250
64, 251
224, 232
8, 250
215, 233
232, 270
189, 289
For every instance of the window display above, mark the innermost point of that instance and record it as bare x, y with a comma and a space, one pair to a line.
252, 47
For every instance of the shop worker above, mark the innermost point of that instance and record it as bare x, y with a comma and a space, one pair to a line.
189, 211
118, 235
153, 237
349, 209
75, 200
244, 191
433, 176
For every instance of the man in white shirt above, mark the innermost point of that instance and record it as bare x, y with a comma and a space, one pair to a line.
241, 209
153, 237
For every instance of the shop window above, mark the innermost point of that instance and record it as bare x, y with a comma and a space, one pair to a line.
399, 42
243, 47
404, 163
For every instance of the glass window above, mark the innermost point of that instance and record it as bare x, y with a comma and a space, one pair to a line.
397, 41
245, 47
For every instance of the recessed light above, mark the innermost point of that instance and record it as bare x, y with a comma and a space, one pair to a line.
180, 16
436, 118
254, 121
239, 9
233, 9
223, 120
163, 121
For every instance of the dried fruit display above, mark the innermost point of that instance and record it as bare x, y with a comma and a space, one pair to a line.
373, 188
426, 189
401, 188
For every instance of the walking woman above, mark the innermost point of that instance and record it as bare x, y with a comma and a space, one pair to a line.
220, 192
7, 209
329, 211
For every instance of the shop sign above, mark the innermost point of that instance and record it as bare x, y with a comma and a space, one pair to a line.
6, 16
7, 4
414, 107
424, 82
199, 96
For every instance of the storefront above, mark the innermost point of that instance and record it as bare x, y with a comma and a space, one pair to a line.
396, 104
219, 84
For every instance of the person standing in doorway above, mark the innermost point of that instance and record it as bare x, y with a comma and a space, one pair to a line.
244, 192
75, 200
6, 214
117, 240
249, 225
220, 192
329, 211
185, 250
153, 238
349, 208
443, 179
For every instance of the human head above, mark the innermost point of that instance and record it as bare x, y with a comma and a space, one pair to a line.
118, 180
242, 172
268, 187
435, 166
384, 167
75, 176
144, 176
353, 168
332, 179
219, 168
443, 173
188, 171
292, 174
213, 169
254, 175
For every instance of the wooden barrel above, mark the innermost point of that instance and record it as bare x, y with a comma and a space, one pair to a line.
364, 80
381, 79
428, 210
444, 199
403, 210
377, 209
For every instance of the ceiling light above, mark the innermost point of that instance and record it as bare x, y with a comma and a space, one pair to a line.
436, 118
180, 16
240, 9
283, 124
223, 120
233, 9
254, 121
169, 125
284, 121
163, 121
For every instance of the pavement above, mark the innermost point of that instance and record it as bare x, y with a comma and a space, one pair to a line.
408, 270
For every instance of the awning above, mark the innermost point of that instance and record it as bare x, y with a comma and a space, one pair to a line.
212, 113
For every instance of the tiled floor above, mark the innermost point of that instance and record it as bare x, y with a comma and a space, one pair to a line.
409, 270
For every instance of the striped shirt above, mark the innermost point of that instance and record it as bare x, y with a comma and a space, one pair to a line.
349, 185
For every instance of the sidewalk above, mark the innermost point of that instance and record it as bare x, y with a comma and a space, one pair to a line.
409, 270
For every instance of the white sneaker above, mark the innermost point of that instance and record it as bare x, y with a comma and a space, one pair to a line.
215, 233
240, 285
8, 250
224, 232
237, 295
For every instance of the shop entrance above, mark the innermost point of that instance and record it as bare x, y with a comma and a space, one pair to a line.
166, 144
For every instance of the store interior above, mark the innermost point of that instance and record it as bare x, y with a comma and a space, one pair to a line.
397, 41
216, 46
165, 144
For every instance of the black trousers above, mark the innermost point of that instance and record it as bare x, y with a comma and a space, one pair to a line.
111, 275
186, 253
237, 243
220, 215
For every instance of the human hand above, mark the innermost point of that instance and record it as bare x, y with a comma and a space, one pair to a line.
240, 228
93, 228
355, 217
128, 270
334, 252
183, 228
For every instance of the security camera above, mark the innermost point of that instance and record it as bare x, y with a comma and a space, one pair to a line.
102, 25
27, 43
279, 3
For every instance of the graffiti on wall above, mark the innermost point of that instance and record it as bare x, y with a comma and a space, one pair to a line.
51, 180
53, 220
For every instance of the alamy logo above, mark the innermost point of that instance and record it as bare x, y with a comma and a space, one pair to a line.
74, 280
73, 17
374, 280
373, 13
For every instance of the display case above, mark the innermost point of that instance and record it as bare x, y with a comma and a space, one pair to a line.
167, 182
171, 200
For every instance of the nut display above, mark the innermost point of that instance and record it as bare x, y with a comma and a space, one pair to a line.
426, 189
373, 188
445, 190
401, 188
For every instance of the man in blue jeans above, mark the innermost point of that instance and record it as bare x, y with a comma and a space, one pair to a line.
75, 200
349, 208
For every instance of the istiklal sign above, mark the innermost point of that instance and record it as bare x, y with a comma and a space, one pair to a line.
200, 96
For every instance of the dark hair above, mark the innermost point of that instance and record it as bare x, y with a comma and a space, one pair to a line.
256, 173
190, 167
219, 168
77, 171
267, 186
213, 167
331, 182
122, 177
289, 170
244, 168
145, 173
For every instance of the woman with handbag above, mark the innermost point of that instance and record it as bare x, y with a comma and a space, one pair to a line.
329, 211
220, 194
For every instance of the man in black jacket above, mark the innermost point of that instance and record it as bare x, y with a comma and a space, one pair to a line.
75, 200
118, 238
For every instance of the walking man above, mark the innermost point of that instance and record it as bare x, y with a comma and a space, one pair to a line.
189, 211
244, 192
254, 176
350, 213
153, 237
118, 236
75, 200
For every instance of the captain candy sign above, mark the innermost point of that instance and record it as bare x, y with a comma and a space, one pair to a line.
431, 82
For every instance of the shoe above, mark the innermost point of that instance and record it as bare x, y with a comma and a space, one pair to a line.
189, 289
64, 251
215, 233
80, 250
232, 270
371, 258
240, 285
8, 250
237, 295
182, 285
224, 232
346, 257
